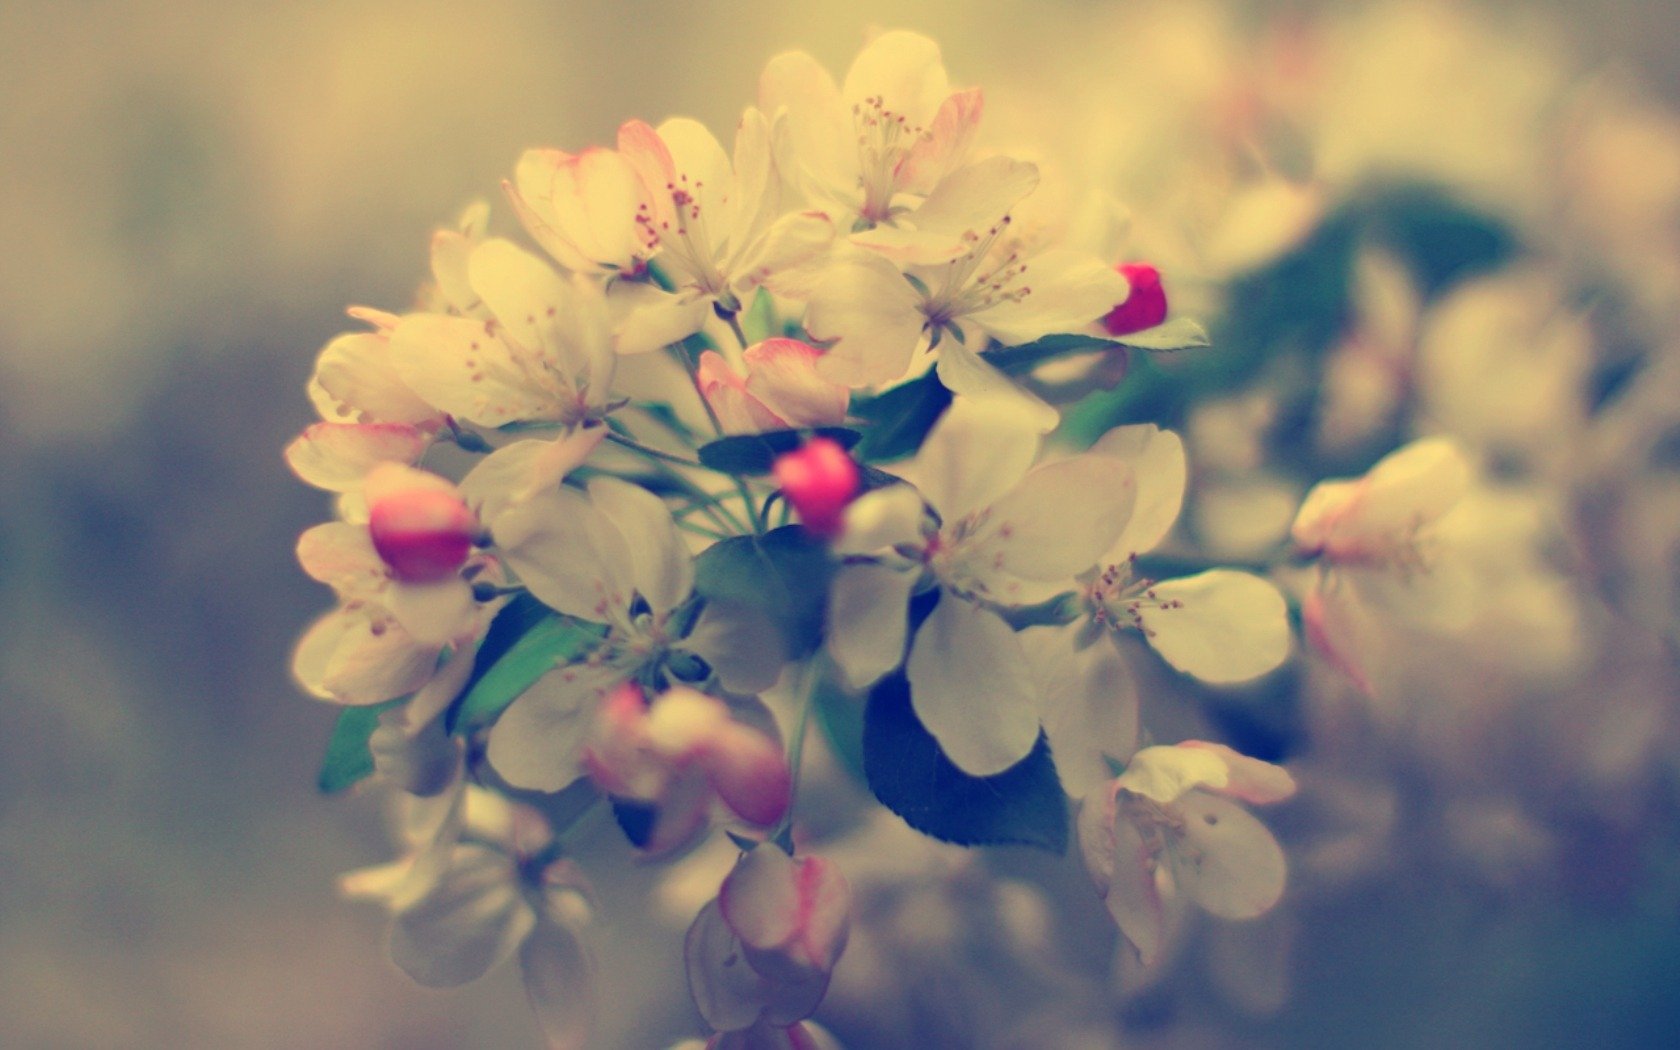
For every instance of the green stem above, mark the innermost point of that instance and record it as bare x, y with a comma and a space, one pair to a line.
733, 320
783, 835
701, 530
652, 453
704, 500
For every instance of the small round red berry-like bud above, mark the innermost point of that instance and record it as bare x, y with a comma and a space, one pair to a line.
1146, 305
423, 534
818, 480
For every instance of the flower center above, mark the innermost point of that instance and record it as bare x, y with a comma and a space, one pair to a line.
965, 288
1119, 598
884, 139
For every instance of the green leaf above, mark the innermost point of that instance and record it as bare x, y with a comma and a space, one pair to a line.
910, 775
526, 640
347, 759
755, 454
782, 575
1016, 360
899, 418
1180, 333
1443, 239
758, 320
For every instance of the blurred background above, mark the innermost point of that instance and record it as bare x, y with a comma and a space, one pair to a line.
193, 192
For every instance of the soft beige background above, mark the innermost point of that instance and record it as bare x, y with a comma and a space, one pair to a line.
190, 192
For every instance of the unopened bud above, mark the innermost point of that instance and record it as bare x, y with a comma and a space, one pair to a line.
818, 480
423, 534
1146, 305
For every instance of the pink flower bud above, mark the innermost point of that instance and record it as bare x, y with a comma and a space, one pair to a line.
418, 522
818, 481
679, 753
792, 914
1146, 305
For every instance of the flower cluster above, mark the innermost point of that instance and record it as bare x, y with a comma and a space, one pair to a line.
811, 427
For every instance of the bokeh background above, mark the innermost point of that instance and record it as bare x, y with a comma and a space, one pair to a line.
190, 193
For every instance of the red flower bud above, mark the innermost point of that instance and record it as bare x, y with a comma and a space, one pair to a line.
818, 481
1146, 305
423, 534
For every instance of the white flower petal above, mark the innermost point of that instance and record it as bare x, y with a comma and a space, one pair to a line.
1070, 290
726, 991
969, 375
375, 662
731, 639
1119, 862
1419, 483
782, 374
972, 689
904, 70
341, 555
433, 613
881, 519
868, 618
1156, 458
1340, 631
821, 146
337, 456
968, 203
520, 470
790, 243
978, 451
356, 379
470, 920
1030, 532
538, 741
559, 983
1221, 626
647, 318
569, 554
1164, 773
873, 317
946, 144
460, 366
662, 568
1228, 862
1250, 779
1088, 703
702, 169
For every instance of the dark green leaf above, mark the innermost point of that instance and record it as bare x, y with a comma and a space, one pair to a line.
910, 775
635, 818
1017, 360
899, 418
525, 640
755, 454
347, 759
782, 576
1443, 239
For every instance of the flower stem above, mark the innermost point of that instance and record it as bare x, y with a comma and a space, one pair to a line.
652, 453
783, 835
733, 320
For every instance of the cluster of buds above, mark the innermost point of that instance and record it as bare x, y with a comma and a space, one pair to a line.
760, 956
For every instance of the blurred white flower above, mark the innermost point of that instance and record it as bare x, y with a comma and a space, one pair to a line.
1169, 826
